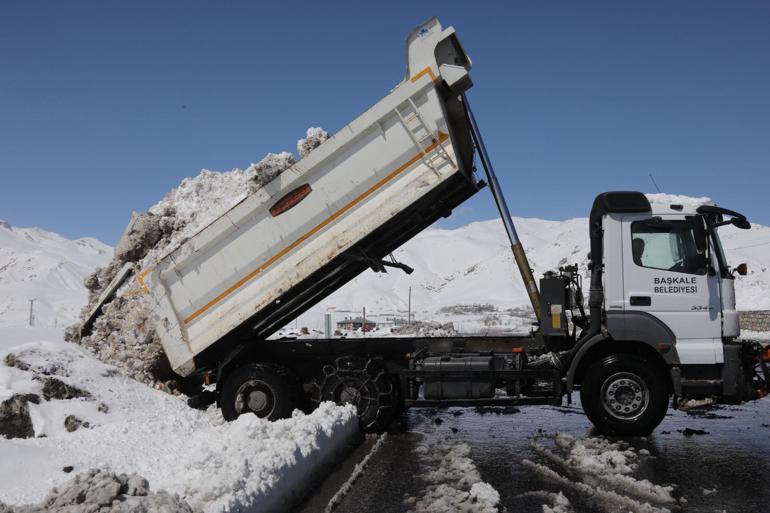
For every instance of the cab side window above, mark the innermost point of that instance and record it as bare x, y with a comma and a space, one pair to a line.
666, 245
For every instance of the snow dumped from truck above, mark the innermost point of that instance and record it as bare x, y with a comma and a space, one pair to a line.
124, 335
152, 450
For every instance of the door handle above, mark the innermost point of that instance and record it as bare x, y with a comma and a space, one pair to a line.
641, 301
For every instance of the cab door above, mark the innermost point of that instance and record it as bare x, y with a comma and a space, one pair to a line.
665, 275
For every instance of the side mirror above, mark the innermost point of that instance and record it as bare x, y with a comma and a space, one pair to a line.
741, 223
741, 269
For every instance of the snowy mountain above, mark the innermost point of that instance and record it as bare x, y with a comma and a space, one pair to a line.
473, 265
45, 267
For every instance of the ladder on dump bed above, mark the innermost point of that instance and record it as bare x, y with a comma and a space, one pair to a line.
427, 143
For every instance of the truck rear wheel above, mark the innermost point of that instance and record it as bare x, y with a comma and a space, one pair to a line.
363, 383
260, 389
625, 394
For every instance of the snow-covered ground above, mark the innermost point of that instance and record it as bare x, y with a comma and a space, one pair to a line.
127, 427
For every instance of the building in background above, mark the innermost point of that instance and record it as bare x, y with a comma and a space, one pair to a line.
356, 323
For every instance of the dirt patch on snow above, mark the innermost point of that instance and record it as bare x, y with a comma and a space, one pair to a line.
57, 389
15, 421
124, 334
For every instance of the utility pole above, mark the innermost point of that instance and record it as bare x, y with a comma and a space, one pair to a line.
363, 325
31, 312
409, 308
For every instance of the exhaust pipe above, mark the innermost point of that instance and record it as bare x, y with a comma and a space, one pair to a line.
518, 250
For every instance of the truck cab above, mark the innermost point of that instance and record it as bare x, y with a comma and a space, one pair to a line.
667, 267
663, 319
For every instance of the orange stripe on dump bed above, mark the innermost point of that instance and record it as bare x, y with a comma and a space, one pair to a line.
426, 71
441, 138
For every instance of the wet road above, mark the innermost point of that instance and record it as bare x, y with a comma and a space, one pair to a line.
706, 460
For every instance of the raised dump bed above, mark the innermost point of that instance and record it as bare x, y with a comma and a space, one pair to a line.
380, 180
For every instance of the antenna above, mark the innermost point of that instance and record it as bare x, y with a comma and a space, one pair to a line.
655, 183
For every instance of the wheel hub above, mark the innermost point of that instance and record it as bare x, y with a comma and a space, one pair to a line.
625, 395
350, 395
255, 396
257, 400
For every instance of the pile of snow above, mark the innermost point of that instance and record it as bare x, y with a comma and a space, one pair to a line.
452, 482
128, 428
601, 472
124, 334
45, 267
482, 272
96, 491
314, 137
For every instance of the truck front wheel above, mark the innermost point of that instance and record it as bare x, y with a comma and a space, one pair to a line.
259, 389
624, 394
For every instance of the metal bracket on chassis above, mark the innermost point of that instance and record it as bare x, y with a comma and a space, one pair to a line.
378, 265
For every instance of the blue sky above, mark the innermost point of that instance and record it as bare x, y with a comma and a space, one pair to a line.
106, 105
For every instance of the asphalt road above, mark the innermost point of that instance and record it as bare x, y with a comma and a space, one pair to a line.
715, 459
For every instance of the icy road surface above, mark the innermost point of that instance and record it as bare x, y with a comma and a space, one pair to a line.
543, 459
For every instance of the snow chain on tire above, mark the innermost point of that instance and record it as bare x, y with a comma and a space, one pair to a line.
362, 382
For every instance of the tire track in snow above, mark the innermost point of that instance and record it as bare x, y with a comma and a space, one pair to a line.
599, 471
357, 471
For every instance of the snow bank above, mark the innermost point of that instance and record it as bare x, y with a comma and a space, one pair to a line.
453, 482
212, 465
124, 335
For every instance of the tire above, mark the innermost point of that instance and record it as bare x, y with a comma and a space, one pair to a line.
363, 383
624, 394
260, 389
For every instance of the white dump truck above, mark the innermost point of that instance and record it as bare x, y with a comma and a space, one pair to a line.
660, 323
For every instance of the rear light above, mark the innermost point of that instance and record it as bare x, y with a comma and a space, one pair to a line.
766, 354
290, 200
208, 379
518, 350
